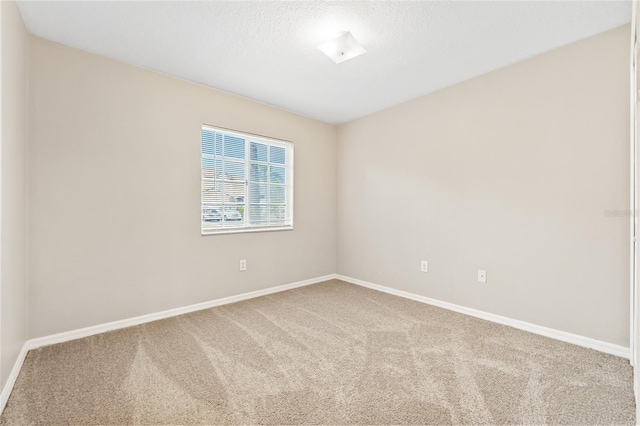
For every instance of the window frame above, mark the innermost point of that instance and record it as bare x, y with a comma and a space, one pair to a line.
289, 182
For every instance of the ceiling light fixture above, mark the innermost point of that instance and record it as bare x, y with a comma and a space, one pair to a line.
342, 48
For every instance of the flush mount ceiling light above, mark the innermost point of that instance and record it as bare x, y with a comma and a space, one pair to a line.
342, 48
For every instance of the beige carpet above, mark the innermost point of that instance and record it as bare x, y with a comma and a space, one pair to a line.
331, 353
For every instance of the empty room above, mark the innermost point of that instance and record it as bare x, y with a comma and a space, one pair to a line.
314, 212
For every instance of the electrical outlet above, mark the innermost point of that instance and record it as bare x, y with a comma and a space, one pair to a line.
482, 276
424, 266
243, 265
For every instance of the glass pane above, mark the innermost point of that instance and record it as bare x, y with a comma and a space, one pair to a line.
208, 167
218, 143
211, 169
207, 142
277, 214
211, 213
258, 214
277, 174
258, 151
208, 163
242, 210
233, 214
277, 194
233, 192
211, 226
211, 191
277, 155
233, 146
234, 170
257, 193
258, 172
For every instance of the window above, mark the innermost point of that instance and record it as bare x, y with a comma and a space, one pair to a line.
247, 182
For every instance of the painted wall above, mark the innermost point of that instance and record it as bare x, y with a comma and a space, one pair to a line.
114, 194
14, 53
513, 172
522, 172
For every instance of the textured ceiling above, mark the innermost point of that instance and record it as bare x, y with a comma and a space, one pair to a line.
267, 50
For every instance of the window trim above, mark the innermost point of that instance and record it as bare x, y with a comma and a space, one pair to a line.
289, 170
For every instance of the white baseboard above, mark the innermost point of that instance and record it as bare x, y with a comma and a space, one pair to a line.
115, 325
8, 387
575, 339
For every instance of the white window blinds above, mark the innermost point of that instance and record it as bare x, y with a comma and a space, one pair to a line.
247, 182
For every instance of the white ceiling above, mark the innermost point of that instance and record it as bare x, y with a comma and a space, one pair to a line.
267, 50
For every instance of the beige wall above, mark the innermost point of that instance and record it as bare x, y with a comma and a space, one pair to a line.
13, 208
510, 172
114, 194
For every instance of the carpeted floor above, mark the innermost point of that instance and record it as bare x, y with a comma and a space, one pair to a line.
330, 353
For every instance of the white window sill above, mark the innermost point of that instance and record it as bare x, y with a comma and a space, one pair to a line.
246, 230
